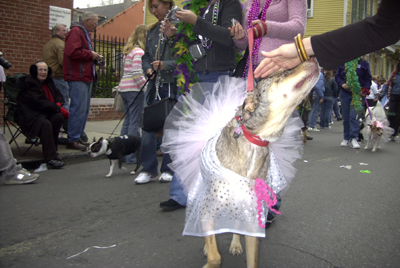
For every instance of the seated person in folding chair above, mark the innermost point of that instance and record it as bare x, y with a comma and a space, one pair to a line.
40, 111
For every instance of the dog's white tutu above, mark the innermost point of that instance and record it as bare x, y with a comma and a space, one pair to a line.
197, 119
379, 114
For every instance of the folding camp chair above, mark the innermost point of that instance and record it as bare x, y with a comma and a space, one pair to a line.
11, 90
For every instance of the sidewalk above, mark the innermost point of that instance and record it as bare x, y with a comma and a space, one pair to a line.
34, 157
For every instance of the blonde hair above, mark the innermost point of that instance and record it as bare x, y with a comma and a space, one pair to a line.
137, 38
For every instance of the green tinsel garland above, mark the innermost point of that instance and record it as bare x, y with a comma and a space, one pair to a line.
185, 74
354, 84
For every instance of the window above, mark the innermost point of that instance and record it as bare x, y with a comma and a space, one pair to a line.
359, 9
310, 8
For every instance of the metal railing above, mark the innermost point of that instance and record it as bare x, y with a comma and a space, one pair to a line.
109, 69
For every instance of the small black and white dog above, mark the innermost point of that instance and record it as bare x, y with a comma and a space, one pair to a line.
115, 149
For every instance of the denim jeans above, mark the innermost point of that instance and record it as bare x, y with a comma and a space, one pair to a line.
326, 112
312, 119
64, 89
79, 93
133, 112
335, 109
148, 154
176, 189
349, 114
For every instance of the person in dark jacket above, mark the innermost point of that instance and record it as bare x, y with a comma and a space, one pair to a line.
40, 111
79, 71
352, 78
211, 26
329, 97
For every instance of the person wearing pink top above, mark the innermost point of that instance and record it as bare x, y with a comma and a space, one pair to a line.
131, 83
284, 19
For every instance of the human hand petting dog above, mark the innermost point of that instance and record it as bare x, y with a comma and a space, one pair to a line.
284, 57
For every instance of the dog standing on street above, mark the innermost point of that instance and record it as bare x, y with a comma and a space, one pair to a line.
115, 149
238, 158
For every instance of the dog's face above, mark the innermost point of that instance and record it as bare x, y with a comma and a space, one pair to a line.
98, 148
376, 128
269, 105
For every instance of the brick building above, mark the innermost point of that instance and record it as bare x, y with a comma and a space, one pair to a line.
24, 30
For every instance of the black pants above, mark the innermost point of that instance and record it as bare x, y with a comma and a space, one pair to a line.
394, 113
49, 136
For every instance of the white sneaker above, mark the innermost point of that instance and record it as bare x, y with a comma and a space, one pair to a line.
344, 143
355, 144
313, 129
143, 178
165, 177
331, 123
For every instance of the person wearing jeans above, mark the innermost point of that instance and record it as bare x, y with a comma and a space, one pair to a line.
318, 98
327, 104
80, 94
148, 154
79, 71
131, 83
360, 69
178, 198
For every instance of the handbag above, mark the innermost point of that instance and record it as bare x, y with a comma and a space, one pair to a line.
118, 101
154, 115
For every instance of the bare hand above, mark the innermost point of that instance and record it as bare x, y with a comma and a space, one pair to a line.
95, 55
168, 30
345, 86
321, 100
158, 65
237, 31
284, 57
150, 73
186, 16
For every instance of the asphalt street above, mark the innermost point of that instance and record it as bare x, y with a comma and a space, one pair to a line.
332, 216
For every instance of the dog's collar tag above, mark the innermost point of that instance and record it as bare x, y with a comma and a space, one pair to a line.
251, 137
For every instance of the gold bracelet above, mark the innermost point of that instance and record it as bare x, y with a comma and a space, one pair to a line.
296, 42
301, 47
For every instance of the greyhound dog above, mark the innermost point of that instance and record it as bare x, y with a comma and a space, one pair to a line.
263, 114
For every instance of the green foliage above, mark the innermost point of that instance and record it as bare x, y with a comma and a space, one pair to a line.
106, 81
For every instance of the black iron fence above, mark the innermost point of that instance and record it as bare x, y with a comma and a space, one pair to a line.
109, 69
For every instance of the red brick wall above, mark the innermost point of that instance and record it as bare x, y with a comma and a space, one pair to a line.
101, 112
24, 30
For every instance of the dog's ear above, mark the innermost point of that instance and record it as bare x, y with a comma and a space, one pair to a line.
94, 139
249, 105
101, 140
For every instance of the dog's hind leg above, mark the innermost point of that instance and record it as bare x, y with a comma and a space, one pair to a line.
236, 246
112, 165
213, 256
252, 251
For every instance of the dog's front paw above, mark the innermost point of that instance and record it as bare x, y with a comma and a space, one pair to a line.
133, 172
108, 176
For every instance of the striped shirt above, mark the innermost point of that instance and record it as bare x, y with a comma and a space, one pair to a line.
133, 78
